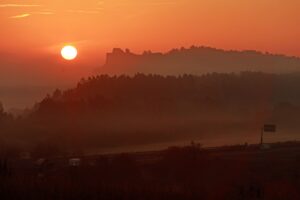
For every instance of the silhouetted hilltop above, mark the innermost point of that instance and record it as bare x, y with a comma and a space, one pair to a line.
154, 94
196, 60
118, 111
107, 111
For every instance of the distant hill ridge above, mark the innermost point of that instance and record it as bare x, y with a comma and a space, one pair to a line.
197, 60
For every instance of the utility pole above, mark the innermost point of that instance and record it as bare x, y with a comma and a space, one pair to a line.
262, 136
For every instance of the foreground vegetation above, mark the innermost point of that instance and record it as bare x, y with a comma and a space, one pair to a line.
237, 172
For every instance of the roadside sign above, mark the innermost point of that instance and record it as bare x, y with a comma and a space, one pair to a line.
269, 128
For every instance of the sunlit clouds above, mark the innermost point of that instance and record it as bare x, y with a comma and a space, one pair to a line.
84, 11
90, 7
30, 14
20, 16
18, 5
23, 10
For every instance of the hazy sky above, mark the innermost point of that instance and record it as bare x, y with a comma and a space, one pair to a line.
32, 32
150, 24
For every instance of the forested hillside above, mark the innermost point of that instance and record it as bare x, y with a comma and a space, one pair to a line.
112, 111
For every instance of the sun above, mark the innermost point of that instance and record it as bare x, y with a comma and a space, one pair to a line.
69, 52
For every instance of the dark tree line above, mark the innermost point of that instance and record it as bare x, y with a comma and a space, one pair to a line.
108, 111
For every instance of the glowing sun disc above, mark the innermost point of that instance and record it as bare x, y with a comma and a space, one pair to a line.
69, 52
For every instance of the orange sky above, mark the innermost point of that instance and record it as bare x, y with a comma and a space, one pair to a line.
42, 25
33, 31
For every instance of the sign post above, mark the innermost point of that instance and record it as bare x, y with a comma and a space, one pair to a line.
267, 128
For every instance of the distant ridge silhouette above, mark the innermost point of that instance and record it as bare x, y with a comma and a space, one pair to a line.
197, 60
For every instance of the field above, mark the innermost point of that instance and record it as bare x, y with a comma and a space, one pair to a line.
191, 172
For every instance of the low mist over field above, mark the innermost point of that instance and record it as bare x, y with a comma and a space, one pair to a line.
106, 112
149, 99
